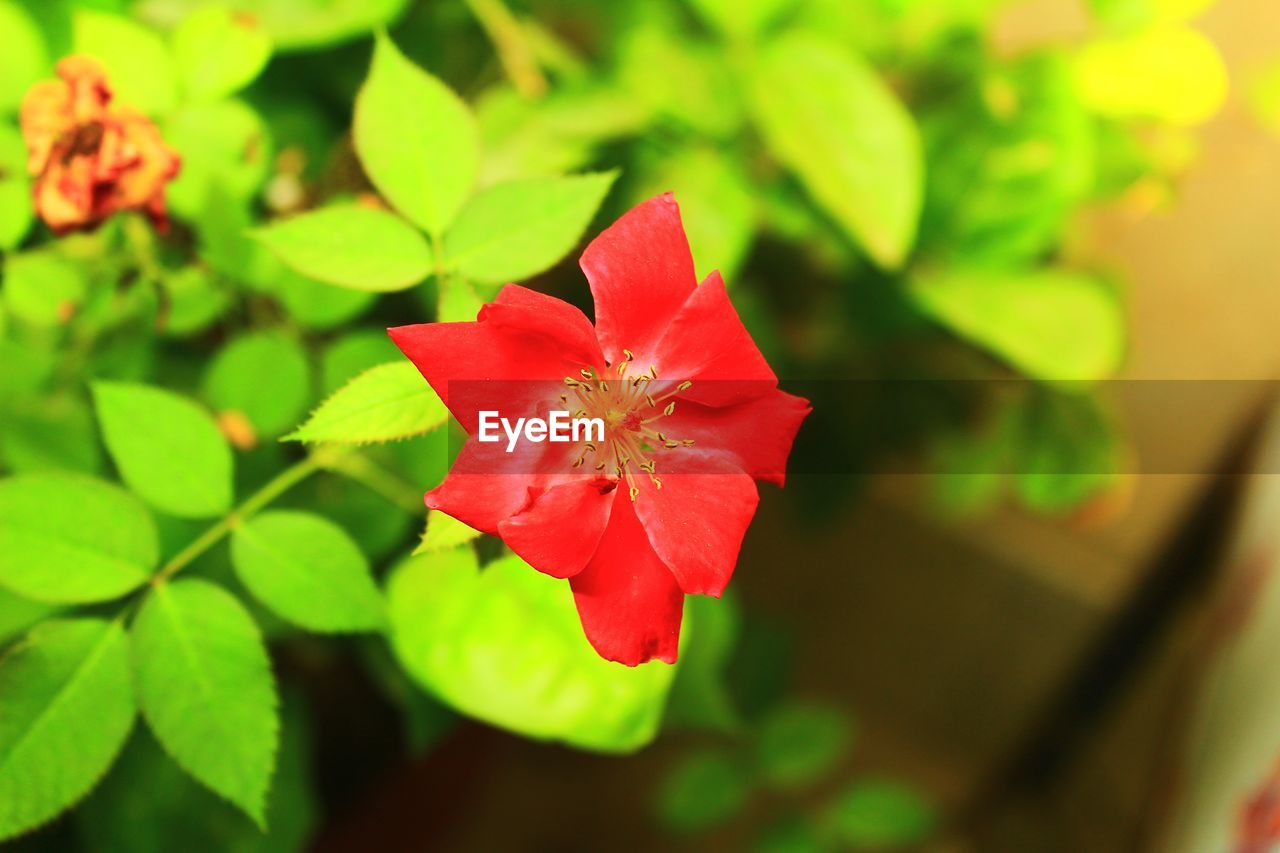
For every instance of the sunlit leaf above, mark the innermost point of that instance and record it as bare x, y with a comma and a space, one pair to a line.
223, 144
515, 230
443, 533
17, 614
136, 58
1173, 74
352, 354
67, 710
16, 211
1049, 324
24, 59
827, 115
307, 570
219, 52
167, 448
416, 139
51, 433
351, 246
70, 538
205, 687
384, 403
42, 287
317, 305
193, 300
292, 24
742, 18
264, 376
485, 641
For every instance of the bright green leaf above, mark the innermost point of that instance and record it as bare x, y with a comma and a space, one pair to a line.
70, 538
205, 687
17, 614
137, 60
1049, 324
705, 789
24, 59
416, 139
43, 287
264, 376
742, 18
444, 532
16, 212
219, 52
193, 300
484, 641
167, 448
292, 24
827, 115
457, 301
54, 432
352, 354
385, 403
517, 229
308, 571
67, 710
317, 305
351, 246
877, 813
1173, 74
798, 744
224, 144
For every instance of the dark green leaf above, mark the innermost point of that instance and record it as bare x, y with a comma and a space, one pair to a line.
798, 744
877, 813
705, 789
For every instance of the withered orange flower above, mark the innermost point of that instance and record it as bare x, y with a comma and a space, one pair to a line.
89, 159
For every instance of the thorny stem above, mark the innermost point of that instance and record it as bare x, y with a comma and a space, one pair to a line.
512, 45
285, 480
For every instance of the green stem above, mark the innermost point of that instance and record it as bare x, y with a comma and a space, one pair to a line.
374, 477
283, 481
512, 45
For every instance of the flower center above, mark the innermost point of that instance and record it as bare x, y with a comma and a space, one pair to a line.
631, 413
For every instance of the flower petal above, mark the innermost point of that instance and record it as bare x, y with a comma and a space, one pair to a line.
560, 530
696, 521
523, 310
483, 365
707, 343
487, 485
758, 433
629, 603
641, 272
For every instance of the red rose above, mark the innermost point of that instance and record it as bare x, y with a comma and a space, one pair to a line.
89, 160
692, 413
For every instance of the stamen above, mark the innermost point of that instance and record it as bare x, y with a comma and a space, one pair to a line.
627, 354
571, 382
600, 466
648, 398
586, 373
657, 484
671, 445
688, 442
635, 493
671, 407
604, 386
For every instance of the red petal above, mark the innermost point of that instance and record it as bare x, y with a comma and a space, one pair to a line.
507, 360
487, 485
559, 532
696, 521
523, 310
707, 343
758, 434
629, 603
641, 272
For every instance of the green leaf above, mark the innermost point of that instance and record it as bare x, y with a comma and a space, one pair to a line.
193, 301
292, 24
224, 145
16, 212
827, 116
167, 448
68, 707
308, 571
53, 432
741, 18
879, 813
700, 697
484, 642
43, 287
17, 614
443, 533
384, 403
205, 686
218, 51
24, 59
705, 789
317, 305
416, 139
352, 354
798, 744
351, 246
1053, 325
67, 538
137, 60
457, 301
264, 376
517, 229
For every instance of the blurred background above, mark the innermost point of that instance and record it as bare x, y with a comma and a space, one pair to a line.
1021, 254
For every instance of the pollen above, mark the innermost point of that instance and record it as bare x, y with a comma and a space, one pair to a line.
630, 407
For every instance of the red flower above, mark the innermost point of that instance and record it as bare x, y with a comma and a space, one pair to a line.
90, 160
692, 415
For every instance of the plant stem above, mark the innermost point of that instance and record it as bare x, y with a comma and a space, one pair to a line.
282, 482
514, 51
377, 479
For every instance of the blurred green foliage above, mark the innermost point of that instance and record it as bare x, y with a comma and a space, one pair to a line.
888, 187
